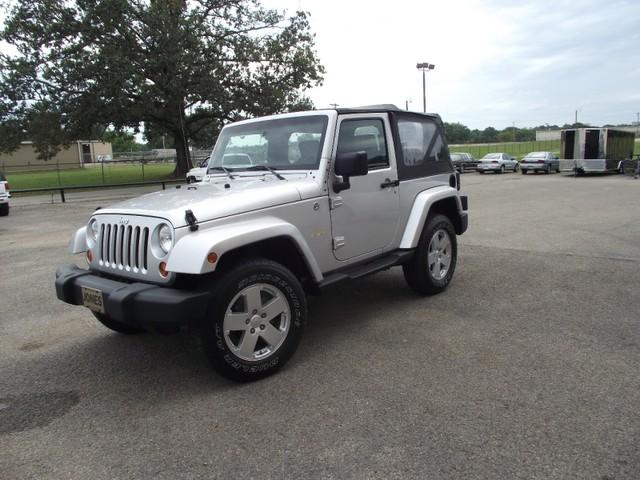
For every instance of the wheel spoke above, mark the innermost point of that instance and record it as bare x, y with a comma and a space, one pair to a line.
235, 321
432, 257
247, 345
253, 298
274, 308
446, 244
272, 335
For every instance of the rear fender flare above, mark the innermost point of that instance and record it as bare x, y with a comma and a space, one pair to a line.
420, 211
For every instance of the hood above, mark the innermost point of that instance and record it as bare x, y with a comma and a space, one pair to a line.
211, 199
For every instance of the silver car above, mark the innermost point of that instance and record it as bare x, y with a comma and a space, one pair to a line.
497, 163
291, 204
540, 162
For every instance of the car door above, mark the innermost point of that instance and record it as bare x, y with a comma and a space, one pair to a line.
364, 217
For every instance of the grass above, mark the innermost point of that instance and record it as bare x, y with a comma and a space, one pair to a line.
90, 175
113, 173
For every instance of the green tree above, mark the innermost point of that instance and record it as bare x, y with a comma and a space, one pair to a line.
180, 67
457, 132
122, 141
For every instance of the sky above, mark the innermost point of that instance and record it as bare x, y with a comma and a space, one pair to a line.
497, 63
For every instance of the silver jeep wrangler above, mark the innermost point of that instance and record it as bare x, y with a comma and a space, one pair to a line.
289, 204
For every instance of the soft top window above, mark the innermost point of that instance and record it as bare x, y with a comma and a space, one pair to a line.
420, 146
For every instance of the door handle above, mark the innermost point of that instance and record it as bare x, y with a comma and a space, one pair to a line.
389, 183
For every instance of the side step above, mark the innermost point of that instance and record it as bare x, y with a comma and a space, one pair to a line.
363, 269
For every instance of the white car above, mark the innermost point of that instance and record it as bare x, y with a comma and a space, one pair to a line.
4, 196
497, 162
197, 174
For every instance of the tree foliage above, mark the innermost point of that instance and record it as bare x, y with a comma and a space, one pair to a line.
180, 67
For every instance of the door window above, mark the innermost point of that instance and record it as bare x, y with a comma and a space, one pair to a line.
364, 135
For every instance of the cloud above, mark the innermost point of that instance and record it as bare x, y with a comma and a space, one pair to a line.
497, 62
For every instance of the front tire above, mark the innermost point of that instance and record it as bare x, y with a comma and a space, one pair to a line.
515, 168
432, 267
4, 210
116, 326
254, 321
502, 169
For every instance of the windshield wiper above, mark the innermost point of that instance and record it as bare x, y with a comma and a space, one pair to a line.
222, 169
266, 167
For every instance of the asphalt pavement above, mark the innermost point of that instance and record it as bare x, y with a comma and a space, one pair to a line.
525, 368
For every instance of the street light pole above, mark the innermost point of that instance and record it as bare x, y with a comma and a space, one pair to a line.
424, 66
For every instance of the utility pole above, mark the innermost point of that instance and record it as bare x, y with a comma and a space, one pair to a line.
576, 121
638, 124
334, 105
425, 67
406, 104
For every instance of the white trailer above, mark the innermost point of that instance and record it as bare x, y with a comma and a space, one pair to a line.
595, 150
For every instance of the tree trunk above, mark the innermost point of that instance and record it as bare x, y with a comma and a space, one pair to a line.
183, 159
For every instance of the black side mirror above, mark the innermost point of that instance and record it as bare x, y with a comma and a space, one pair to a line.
352, 164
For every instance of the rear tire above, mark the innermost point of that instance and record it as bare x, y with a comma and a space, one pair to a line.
523, 171
254, 321
502, 169
431, 269
547, 170
116, 326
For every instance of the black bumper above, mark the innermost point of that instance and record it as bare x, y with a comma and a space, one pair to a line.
464, 216
142, 305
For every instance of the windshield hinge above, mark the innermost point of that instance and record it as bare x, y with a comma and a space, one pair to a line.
191, 220
335, 202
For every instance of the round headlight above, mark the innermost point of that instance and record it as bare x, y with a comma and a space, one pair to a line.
165, 238
93, 230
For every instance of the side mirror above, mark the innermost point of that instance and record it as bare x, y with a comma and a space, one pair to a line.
352, 164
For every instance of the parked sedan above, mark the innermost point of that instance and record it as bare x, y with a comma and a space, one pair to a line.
463, 161
4, 196
497, 162
196, 174
540, 162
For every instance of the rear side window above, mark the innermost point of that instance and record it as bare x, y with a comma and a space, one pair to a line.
364, 135
422, 148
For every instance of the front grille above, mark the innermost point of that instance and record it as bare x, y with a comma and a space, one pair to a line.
124, 247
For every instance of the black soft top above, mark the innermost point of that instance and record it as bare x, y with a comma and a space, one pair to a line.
383, 108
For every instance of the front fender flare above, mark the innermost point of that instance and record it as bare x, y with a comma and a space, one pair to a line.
421, 206
189, 255
78, 242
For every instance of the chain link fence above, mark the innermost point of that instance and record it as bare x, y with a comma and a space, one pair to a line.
118, 168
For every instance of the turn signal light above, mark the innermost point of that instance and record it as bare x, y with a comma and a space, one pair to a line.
212, 257
162, 268
89, 256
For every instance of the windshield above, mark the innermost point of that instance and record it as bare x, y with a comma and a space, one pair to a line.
490, 156
537, 155
281, 144
456, 156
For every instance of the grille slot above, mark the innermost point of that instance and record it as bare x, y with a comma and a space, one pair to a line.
124, 247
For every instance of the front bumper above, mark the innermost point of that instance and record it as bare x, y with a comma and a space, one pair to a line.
142, 305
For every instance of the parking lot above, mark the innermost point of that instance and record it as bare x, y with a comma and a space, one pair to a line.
527, 367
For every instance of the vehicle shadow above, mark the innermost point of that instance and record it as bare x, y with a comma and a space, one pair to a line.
151, 368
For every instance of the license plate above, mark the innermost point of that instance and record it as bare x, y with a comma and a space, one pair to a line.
92, 299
